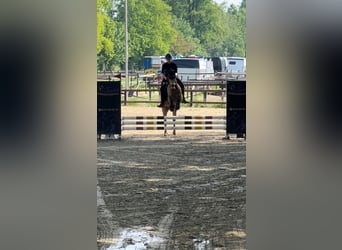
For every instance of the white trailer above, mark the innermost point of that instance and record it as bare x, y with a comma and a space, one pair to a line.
236, 65
194, 69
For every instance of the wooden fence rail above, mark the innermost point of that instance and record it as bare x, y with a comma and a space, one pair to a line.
189, 93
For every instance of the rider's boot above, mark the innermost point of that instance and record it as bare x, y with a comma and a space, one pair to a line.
162, 97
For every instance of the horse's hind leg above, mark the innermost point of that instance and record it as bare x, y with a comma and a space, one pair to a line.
165, 114
165, 129
174, 124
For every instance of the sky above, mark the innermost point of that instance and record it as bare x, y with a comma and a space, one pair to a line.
229, 2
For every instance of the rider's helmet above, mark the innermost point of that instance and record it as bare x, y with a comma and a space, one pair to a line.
168, 56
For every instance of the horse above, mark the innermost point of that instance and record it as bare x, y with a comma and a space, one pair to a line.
174, 97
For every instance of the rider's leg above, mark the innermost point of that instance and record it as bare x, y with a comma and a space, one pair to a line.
180, 83
163, 94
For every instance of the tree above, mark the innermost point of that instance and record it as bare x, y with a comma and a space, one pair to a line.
105, 33
243, 4
209, 28
149, 27
207, 20
186, 42
156, 27
237, 23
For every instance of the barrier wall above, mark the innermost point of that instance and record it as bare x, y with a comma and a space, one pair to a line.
236, 107
109, 107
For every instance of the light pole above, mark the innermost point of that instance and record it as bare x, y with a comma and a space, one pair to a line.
126, 50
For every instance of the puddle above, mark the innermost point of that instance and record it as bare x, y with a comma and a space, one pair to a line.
100, 201
134, 239
238, 189
201, 244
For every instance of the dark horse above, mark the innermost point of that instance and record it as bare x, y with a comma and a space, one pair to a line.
174, 97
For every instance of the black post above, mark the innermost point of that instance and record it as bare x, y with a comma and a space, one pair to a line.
109, 108
236, 108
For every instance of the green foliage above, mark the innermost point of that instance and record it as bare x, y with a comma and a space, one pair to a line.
186, 42
105, 34
150, 29
210, 29
156, 27
237, 24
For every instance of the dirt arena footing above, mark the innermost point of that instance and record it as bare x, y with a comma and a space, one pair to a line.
172, 192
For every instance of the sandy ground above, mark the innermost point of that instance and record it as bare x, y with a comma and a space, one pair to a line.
175, 192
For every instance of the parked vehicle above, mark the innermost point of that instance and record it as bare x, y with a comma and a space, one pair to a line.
219, 63
236, 65
152, 62
194, 68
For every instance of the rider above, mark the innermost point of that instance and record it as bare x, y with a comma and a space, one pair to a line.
167, 67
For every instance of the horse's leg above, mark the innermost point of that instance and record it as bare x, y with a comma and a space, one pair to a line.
170, 103
164, 114
174, 124
177, 105
181, 97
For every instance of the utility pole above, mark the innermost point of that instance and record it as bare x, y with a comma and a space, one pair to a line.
126, 50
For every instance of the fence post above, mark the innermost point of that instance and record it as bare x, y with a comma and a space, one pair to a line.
149, 92
125, 97
205, 95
